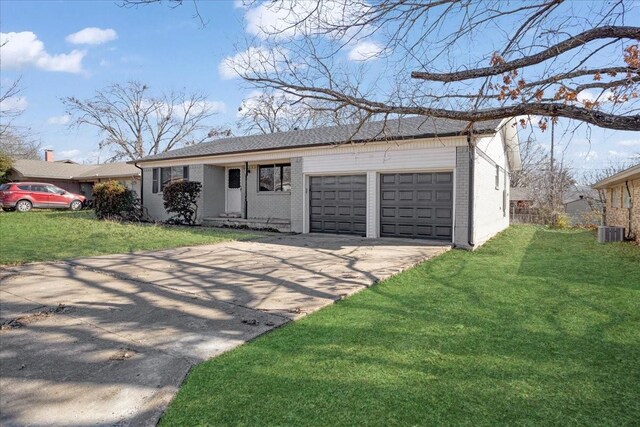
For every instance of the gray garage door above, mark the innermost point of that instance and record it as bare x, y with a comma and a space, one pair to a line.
416, 205
338, 204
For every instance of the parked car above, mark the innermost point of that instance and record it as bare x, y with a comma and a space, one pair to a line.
22, 196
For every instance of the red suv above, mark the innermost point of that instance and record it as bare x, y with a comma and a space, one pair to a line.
22, 196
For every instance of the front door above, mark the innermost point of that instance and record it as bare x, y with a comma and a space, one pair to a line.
234, 191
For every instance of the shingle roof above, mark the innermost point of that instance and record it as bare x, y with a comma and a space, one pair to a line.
409, 127
520, 193
57, 170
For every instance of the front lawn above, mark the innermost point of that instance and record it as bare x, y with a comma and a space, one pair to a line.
55, 235
537, 327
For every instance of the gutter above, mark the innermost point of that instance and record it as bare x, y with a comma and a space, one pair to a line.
472, 160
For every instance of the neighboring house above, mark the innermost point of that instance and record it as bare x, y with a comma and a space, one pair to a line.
520, 198
408, 177
582, 205
622, 192
74, 177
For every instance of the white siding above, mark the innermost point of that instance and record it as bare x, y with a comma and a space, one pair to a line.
392, 158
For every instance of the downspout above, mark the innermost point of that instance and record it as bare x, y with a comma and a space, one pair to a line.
472, 160
630, 208
246, 190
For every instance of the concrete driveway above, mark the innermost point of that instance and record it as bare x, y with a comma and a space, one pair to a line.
108, 340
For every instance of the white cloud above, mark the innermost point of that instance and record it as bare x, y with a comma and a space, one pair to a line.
212, 106
255, 59
364, 51
24, 49
69, 154
293, 18
59, 120
629, 143
588, 155
14, 103
92, 36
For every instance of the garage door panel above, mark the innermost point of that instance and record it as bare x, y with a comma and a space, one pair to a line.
416, 205
341, 200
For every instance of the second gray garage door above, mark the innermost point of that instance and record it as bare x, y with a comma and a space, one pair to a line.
416, 205
338, 204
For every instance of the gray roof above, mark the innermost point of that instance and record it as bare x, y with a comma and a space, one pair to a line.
579, 192
520, 193
57, 170
404, 128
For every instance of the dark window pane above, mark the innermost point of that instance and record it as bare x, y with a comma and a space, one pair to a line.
277, 181
286, 178
234, 178
185, 173
176, 173
266, 178
165, 177
154, 188
24, 187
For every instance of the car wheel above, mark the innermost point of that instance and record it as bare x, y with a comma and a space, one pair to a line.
76, 205
23, 206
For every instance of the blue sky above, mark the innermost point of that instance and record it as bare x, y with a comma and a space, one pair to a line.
167, 49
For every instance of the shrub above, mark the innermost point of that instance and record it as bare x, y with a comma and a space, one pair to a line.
180, 198
562, 221
112, 200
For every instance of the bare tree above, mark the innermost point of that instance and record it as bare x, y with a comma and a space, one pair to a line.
533, 158
554, 59
135, 123
16, 142
269, 112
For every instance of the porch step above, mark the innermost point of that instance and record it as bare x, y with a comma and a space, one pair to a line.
272, 224
231, 215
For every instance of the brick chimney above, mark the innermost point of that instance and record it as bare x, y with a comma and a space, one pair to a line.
48, 155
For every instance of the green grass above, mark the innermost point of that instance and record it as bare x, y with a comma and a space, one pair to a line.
55, 235
537, 327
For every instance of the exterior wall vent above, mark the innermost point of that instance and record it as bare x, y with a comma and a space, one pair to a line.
610, 234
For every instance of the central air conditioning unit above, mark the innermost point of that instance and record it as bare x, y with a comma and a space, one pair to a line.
610, 234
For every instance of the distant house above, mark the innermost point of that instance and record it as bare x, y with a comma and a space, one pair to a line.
74, 177
583, 206
520, 198
622, 208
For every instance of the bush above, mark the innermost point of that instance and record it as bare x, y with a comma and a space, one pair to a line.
562, 221
112, 200
181, 198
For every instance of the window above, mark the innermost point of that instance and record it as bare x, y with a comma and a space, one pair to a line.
24, 187
615, 197
274, 178
497, 177
154, 187
164, 176
234, 178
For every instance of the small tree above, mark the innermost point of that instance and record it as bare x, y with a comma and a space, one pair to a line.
181, 199
5, 164
112, 200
